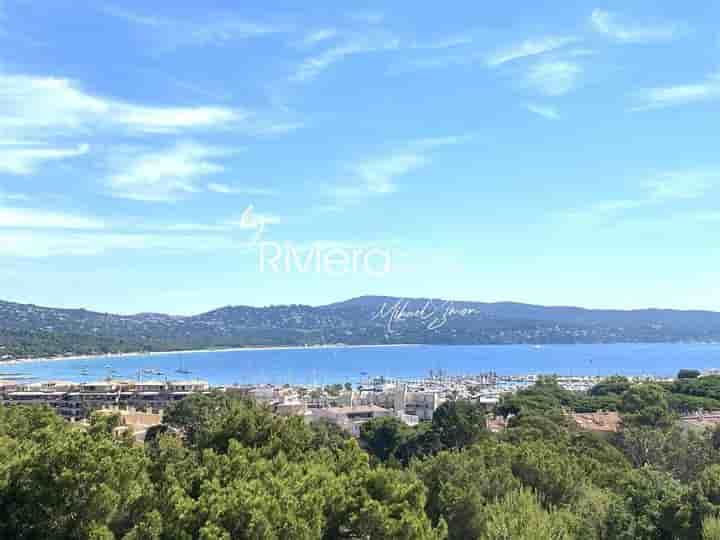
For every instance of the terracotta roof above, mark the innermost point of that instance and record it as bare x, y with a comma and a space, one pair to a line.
600, 421
359, 409
496, 424
706, 419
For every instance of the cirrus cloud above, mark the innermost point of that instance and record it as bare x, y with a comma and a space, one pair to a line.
215, 29
312, 66
164, 175
24, 159
546, 111
554, 77
29, 218
607, 23
528, 48
30, 104
680, 94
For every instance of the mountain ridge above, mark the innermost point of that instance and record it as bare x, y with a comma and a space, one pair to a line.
365, 299
514, 303
29, 330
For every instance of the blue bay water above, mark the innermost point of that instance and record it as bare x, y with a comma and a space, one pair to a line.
342, 364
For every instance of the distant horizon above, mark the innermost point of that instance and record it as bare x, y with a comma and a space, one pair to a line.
347, 299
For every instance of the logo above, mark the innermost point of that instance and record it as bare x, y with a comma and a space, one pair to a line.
433, 316
332, 260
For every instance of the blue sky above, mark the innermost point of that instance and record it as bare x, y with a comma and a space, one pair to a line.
539, 152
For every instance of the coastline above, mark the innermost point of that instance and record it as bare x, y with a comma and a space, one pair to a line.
21, 361
254, 348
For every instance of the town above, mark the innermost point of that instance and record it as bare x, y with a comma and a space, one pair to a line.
142, 404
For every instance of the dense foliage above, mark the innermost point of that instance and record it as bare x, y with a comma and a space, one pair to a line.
227, 468
684, 395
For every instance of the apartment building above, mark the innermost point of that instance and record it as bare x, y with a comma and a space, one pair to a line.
75, 401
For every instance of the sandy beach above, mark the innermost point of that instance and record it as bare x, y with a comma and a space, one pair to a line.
18, 361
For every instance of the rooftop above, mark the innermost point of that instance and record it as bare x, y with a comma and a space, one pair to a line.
599, 421
358, 409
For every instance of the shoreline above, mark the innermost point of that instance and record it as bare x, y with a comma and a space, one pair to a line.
21, 361
255, 348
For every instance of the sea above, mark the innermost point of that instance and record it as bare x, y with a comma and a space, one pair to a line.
340, 364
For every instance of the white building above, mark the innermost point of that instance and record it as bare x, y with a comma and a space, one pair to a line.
422, 404
150, 386
351, 418
188, 386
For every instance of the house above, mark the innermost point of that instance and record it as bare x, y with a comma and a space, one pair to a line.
8, 386
496, 424
701, 420
599, 422
51, 386
73, 401
99, 386
188, 386
150, 386
290, 407
351, 418
422, 404
135, 422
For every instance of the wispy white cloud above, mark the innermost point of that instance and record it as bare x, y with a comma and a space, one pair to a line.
244, 223
268, 126
625, 32
164, 176
312, 66
222, 188
373, 39
379, 176
438, 52
675, 185
602, 212
430, 143
212, 30
448, 42
226, 189
28, 102
439, 61
196, 227
529, 48
168, 119
549, 66
42, 244
546, 111
662, 189
317, 36
24, 160
7, 142
682, 94
28, 218
554, 77
6, 196
33, 233
250, 220
37, 104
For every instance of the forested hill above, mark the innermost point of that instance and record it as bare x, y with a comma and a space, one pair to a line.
29, 330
